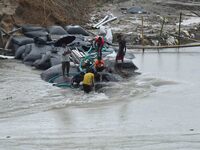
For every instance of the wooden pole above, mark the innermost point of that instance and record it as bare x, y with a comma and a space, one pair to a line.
14, 31
13, 20
179, 30
142, 33
2, 17
1, 39
1, 32
5, 50
159, 47
8, 42
161, 30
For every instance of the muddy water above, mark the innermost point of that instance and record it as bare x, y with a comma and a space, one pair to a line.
158, 109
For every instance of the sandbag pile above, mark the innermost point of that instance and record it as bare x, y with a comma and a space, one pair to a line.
35, 46
39, 47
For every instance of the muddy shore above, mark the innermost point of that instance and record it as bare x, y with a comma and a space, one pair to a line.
156, 13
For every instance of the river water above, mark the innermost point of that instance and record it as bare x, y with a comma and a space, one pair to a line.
157, 110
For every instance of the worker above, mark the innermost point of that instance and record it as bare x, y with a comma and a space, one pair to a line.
88, 81
122, 48
86, 64
65, 59
99, 65
99, 43
75, 81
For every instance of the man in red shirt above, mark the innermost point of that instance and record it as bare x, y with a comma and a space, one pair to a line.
122, 49
99, 42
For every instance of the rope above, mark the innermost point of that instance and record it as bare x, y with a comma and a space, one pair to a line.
51, 80
63, 85
88, 56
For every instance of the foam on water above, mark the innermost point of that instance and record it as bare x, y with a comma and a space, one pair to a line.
23, 92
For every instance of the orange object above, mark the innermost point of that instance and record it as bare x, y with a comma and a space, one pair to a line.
99, 63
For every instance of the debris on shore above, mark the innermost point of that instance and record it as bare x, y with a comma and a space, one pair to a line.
160, 21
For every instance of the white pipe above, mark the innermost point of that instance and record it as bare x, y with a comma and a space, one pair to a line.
109, 20
104, 19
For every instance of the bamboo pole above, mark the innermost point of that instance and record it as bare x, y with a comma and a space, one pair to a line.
5, 49
14, 31
6, 52
13, 19
1, 39
8, 42
161, 30
3, 31
159, 47
162, 47
2, 17
142, 33
179, 30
